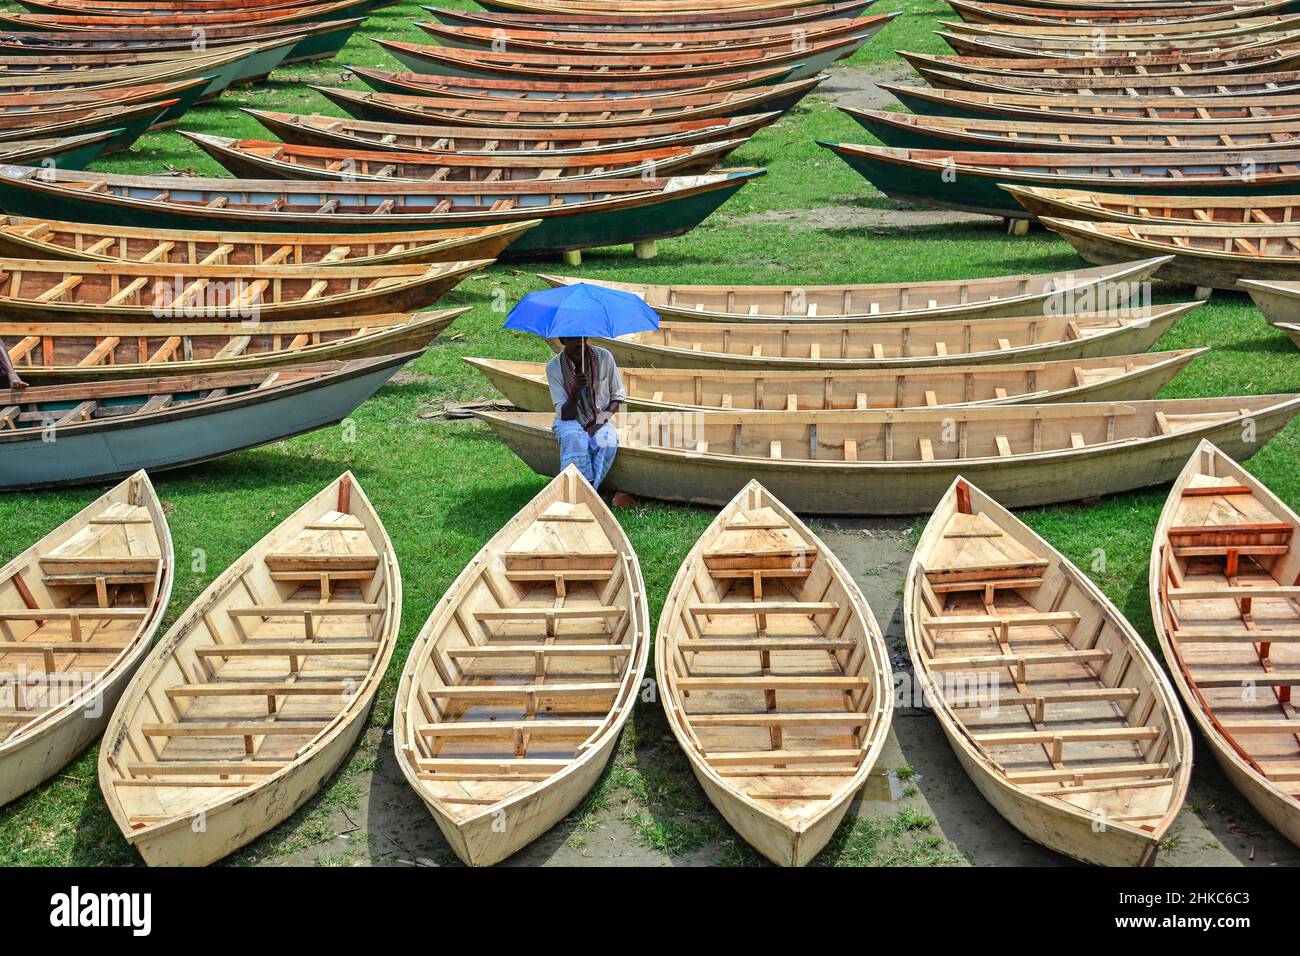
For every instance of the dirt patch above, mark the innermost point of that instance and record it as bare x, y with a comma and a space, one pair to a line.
825, 218
857, 86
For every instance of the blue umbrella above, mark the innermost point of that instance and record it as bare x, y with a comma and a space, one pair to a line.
582, 311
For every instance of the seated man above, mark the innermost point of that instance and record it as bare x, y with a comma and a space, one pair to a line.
11, 374
587, 391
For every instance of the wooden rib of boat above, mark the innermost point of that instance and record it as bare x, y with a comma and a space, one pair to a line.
562, 41
1200, 84
333, 131
660, 389
311, 41
1042, 47
67, 152
1154, 210
260, 159
23, 238
102, 581
926, 176
517, 719
1278, 300
189, 17
292, 641
774, 677
1223, 577
973, 11
1244, 59
1050, 700
616, 19
595, 67
903, 344
60, 291
1210, 257
553, 114
900, 461
72, 352
993, 297
408, 83
909, 131
572, 215
56, 435
1187, 112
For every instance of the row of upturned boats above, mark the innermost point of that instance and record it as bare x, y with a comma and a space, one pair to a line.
772, 670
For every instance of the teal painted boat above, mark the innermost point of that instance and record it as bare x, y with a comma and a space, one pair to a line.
970, 181
576, 215
107, 429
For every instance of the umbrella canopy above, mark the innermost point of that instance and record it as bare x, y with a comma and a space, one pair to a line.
582, 311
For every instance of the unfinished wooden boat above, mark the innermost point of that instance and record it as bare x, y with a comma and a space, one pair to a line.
1155, 210
74, 352
40, 109
34, 290
551, 114
927, 176
887, 301
973, 11
968, 45
124, 124
264, 684
624, 41
101, 582
24, 238
55, 435
600, 67
516, 716
408, 83
1190, 29
204, 18
337, 132
661, 389
573, 215
612, 20
1251, 58
646, 7
1188, 112
909, 131
1286, 82
1050, 699
1209, 257
68, 152
899, 461
617, 19
908, 343
163, 8
260, 159
1223, 585
779, 736
1278, 300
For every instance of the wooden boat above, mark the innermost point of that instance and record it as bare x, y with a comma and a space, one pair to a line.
574, 215
79, 352
660, 389
1208, 257
102, 581
40, 110
909, 131
1173, 31
595, 67
993, 297
1278, 300
1188, 112
57, 435
23, 238
61, 291
1091, 7
924, 176
1222, 584
1054, 48
779, 737
897, 461
518, 720
124, 124
551, 114
652, 7
561, 41
1051, 701
911, 344
220, 68
188, 17
1200, 84
259, 159
311, 41
1250, 58
1156, 210
409, 83
225, 747
973, 11
67, 152
616, 19
164, 8
333, 131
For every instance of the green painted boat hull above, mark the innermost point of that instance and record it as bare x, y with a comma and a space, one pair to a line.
967, 192
255, 66
321, 46
926, 107
912, 138
184, 100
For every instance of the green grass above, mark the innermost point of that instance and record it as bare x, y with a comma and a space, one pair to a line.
443, 488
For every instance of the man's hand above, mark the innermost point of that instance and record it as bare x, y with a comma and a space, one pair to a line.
581, 381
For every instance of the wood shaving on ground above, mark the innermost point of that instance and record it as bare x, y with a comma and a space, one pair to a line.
455, 411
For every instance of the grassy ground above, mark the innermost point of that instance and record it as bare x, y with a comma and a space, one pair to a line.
444, 488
